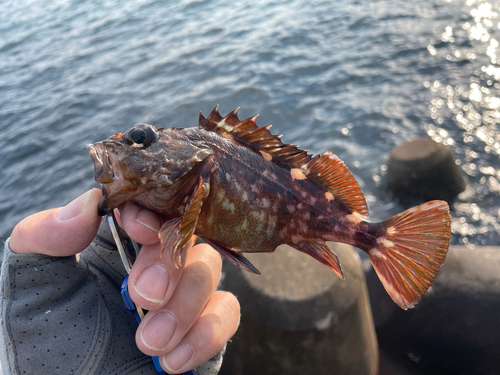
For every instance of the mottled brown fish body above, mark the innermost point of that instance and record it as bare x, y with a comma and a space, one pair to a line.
242, 190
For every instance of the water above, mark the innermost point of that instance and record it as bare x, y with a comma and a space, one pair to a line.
353, 77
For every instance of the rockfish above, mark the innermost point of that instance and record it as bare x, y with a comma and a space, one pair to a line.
239, 188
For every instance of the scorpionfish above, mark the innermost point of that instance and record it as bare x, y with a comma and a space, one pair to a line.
240, 189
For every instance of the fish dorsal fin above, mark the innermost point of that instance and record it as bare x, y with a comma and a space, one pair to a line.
329, 171
326, 171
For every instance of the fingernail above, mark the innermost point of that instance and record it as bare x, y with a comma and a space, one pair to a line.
152, 283
75, 207
177, 358
149, 219
158, 331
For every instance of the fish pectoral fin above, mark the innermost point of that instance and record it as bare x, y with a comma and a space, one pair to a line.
175, 233
233, 256
322, 253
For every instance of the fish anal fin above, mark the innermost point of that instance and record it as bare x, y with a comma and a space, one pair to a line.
175, 233
322, 253
233, 256
412, 248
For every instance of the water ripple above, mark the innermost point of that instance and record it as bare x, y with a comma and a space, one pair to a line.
341, 76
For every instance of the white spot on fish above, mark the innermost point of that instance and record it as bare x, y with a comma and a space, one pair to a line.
290, 208
201, 154
297, 174
376, 253
228, 205
271, 222
228, 177
331, 155
265, 203
244, 225
391, 231
355, 218
259, 215
244, 196
220, 195
385, 242
329, 196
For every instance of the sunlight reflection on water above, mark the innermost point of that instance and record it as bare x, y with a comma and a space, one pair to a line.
475, 110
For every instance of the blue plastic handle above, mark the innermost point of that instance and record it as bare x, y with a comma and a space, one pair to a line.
130, 305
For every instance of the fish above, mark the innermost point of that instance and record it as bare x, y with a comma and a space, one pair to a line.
241, 189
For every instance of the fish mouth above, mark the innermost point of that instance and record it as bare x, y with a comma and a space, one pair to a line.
103, 173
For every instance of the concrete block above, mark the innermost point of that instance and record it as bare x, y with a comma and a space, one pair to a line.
423, 170
455, 328
299, 317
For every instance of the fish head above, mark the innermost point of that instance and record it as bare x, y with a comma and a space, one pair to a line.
122, 164
145, 165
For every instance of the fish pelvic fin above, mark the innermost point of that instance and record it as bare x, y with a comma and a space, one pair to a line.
410, 251
233, 256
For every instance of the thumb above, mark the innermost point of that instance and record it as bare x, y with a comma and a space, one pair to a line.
59, 231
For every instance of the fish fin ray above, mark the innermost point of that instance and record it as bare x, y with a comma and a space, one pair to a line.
413, 247
328, 171
322, 253
175, 233
233, 256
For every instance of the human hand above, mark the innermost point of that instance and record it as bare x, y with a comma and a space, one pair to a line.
188, 322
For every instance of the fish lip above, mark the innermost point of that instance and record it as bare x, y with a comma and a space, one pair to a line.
103, 173
103, 170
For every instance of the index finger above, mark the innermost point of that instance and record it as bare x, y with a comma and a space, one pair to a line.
141, 224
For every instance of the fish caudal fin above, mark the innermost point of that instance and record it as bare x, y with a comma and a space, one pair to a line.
408, 254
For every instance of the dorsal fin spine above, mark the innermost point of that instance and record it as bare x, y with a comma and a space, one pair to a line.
326, 171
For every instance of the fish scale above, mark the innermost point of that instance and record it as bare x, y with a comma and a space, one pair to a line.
242, 189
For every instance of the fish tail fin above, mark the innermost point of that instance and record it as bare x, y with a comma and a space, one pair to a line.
410, 250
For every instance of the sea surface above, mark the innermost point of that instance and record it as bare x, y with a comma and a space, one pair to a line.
353, 77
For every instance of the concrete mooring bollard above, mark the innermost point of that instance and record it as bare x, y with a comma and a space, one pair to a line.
423, 170
298, 317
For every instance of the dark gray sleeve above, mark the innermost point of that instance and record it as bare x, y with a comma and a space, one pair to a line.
66, 316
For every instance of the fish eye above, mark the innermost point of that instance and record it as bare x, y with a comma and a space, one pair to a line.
140, 136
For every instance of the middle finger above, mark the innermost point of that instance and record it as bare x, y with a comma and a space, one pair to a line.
162, 330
